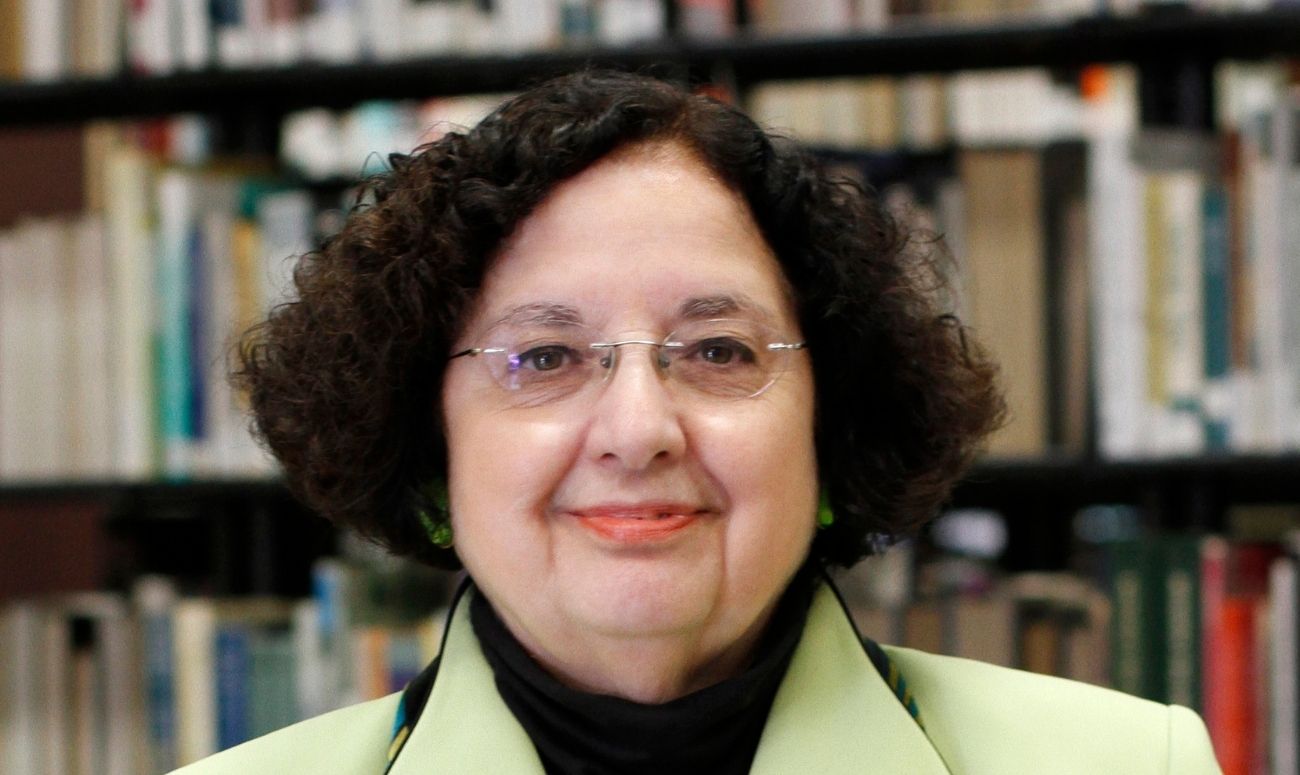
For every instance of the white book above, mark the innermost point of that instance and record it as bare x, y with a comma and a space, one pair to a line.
1018, 107
627, 21
150, 46
1265, 172
13, 332
923, 120
91, 403
21, 640
1284, 666
56, 695
193, 34
45, 26
285, 219
331, 33
381, 25
1289, 378
129, 254
283, 38
194, 626
310, 143
433, 27
1117, 274
1181, 289
311, 679
40, 430
237, 33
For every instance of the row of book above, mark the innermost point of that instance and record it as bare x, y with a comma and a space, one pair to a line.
1133, 282
920, 113
1164, 330
99, 683
108, 683
58, 39
117, 326
1203, 621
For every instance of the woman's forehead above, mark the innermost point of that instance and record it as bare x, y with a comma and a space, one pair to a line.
637, 231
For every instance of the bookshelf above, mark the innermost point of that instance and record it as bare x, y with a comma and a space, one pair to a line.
242, 536
1157, 39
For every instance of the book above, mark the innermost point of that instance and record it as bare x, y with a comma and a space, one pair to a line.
1284, 664
22, 684
1234, 579
154, 599
1136, 587
129, 238
1005, 287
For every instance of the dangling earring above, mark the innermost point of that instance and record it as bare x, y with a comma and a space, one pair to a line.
431, 509
825, 517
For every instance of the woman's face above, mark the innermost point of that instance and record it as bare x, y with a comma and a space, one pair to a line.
632, 509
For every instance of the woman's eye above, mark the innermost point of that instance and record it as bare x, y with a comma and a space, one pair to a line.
546, 358
723, 351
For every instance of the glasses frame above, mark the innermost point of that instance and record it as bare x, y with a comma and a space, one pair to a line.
613, 347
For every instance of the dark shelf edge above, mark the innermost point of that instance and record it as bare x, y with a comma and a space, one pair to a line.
899, 50
109, 490
1049, 472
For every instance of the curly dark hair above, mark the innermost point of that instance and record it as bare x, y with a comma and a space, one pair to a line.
344, 380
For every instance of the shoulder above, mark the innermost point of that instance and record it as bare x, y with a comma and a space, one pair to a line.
346, 741
978, 715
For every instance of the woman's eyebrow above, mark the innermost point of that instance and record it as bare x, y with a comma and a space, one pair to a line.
705, 307
542, 314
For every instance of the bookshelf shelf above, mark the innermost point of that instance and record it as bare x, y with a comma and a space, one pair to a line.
1159, 38
108, 490
1223, 478
1248, 477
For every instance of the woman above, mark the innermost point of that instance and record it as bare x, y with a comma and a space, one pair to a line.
644, 372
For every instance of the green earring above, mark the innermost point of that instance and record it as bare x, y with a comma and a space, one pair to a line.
432, 497
825, 517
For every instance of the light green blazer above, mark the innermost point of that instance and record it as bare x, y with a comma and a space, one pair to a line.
833, 714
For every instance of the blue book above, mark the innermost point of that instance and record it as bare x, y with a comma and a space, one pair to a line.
197, 314
234, 675
175, 193
160, 689
1216, 305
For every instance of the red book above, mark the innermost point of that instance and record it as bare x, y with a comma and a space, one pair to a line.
1234, 579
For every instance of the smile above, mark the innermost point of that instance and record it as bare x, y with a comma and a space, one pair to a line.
639, 524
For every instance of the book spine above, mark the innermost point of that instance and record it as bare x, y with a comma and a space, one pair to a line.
1284, 666
1217, 316
133, 299
233, 679
194, 629
1183, 620
1138, 638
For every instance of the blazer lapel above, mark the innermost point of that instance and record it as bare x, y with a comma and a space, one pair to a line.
466, 726
834, 714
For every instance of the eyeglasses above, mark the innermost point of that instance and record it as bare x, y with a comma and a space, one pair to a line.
724, 359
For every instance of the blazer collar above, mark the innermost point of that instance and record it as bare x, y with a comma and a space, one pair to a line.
833, 713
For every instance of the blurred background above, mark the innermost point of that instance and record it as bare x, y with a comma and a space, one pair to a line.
1115, 187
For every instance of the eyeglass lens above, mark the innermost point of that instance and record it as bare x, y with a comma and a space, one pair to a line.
714, 358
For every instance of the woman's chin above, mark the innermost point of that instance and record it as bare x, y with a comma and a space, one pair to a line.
644, 601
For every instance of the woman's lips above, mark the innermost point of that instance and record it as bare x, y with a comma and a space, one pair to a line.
638, 524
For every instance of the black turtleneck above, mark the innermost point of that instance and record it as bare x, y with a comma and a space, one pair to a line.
714, 730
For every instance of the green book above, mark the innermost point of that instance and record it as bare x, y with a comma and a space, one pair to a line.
1182, 588
1138, 635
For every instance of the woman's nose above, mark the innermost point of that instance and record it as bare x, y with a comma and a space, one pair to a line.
636, 420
